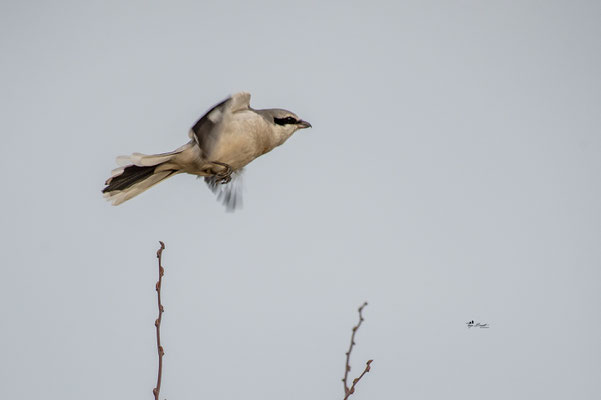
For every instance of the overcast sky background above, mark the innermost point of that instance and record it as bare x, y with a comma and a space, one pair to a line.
452, 173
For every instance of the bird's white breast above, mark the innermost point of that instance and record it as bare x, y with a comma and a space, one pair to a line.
243, 136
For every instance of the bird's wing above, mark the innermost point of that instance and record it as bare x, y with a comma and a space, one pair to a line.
230, 194
205, 132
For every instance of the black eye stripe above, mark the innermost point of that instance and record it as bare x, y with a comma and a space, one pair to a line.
285, 121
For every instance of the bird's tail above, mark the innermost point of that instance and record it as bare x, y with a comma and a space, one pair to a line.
138, 173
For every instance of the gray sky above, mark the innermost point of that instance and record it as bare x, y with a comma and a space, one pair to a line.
452, 174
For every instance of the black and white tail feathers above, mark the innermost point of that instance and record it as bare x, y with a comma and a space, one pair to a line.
133, 181
138, 173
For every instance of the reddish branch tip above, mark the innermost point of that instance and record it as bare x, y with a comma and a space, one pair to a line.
159, 251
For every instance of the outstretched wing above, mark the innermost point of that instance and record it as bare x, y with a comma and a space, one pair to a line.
205, 132
230, 194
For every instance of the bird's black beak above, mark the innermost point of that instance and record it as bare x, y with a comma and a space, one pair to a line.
303, 124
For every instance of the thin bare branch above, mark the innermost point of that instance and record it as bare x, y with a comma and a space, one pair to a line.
157, 323
350, 390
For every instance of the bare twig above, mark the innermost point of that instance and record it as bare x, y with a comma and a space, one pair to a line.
350, 390
157, 322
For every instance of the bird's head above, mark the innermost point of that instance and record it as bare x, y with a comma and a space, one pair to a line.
285, 122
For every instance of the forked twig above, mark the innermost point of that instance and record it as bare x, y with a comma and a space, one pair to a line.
157, 322
350, 390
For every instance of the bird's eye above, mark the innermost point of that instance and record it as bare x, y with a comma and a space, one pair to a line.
285, 121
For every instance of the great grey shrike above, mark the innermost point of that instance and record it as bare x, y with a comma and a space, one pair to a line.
228, 137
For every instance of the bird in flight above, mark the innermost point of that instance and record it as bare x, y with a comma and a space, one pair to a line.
228, 137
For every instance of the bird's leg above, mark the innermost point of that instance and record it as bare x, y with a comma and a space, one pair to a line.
224, 176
